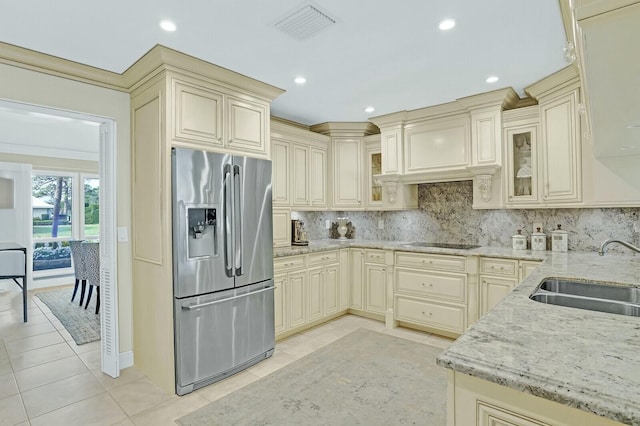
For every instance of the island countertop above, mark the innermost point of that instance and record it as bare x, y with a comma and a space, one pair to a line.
580, 358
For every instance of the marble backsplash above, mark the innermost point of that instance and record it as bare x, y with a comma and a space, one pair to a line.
445, 214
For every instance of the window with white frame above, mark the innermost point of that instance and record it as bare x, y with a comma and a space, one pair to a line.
65, 207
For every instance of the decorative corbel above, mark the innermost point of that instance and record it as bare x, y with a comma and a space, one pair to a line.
484, 186
391, 189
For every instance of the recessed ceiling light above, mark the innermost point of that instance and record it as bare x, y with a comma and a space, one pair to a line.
300, 80
369, 109
167, 25
633, 126
492, 79
446, 24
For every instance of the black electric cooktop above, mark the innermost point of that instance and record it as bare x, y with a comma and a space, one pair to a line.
443, 245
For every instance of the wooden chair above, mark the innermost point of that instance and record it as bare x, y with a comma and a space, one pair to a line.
92, 263
79, 268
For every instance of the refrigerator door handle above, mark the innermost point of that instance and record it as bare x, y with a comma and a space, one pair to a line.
215, 302
237, 217
226, 220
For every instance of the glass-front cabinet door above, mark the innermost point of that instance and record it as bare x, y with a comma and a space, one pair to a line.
374, 167
522, 164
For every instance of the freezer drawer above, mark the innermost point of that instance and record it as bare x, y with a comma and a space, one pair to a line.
222, 333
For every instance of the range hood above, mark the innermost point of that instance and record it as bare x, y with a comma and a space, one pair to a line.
610, 58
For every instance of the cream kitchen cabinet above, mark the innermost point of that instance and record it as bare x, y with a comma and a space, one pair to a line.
559, 143
498, 277
309, 177
347, 173
356, 264
476, 402
522, 173
345, 280
368, 282
300, 162
281, 227
324, 284
279, 303
280, 173
291, 274
373, 163
375, 285
431, 291
218, 119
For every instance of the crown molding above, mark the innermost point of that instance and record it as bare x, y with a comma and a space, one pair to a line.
345, 128
53, 65
161, 57
565, 77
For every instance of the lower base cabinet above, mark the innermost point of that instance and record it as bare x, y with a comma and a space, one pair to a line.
477, 402
375, 289
304, 297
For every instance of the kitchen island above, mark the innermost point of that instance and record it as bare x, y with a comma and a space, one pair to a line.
578, 358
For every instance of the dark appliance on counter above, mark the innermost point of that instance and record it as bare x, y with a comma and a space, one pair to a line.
222, 265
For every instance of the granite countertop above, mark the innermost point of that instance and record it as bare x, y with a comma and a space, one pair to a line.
331, 244
584, 359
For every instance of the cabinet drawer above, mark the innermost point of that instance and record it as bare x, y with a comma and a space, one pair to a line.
323, 257
374, 256
431, 284
432, 314
506, 267
287, 263
431, 261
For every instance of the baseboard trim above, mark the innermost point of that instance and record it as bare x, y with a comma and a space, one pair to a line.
126, 359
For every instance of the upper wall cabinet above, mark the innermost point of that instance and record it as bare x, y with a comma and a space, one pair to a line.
560, 147
216, 118
607, 34
300, 161
460, 140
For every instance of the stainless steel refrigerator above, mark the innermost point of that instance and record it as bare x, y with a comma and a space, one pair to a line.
222, 265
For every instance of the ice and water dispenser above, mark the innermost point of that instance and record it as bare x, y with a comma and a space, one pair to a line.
203, 238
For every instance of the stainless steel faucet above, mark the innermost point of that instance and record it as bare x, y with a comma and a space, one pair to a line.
613, 240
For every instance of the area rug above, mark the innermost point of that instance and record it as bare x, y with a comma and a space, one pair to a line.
82, 324
364, 378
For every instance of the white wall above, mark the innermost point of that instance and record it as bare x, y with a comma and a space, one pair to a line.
46, 90
15, 222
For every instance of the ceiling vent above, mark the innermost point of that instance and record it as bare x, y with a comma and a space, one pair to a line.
304, 22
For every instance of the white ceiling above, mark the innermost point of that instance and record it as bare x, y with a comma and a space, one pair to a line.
385, 53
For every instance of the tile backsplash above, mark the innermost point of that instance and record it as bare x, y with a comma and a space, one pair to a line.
445, 214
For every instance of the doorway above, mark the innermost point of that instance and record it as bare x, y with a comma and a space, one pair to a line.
107, 225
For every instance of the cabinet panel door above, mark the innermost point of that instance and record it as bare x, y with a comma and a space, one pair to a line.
522, 163
391, 144
296, 296
300, 175
356, 261
562, 154
437, 146
492, 291
247, 124
345, 281
281, 228
197, 114
318, 177
374, 185
347, 172
331, 289
444, 316
280, 316
280, 172
376, 289
315, 293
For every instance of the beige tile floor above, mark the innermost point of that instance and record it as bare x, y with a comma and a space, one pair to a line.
46, 379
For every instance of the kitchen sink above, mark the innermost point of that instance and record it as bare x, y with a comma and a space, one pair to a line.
592, 296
